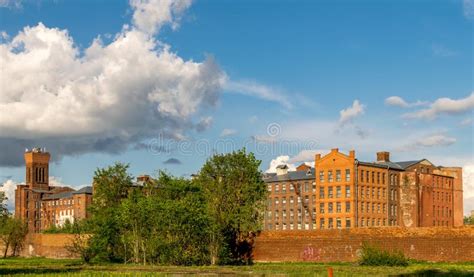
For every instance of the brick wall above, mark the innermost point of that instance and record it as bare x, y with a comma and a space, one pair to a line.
428, 244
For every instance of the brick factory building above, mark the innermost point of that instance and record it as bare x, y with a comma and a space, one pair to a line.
343, 192
43, 206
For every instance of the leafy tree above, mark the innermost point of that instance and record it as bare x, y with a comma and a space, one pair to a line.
111, 186
469, 220
235, 194
3, 206
12, 233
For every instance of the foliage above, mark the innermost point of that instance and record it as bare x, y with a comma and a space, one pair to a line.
374, 256
3, 206
235, 194
67, 228
12, 233
469, 220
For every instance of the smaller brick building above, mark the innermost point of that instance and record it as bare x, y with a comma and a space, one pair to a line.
43, 206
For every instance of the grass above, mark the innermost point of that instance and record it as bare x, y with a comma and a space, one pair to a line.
54, 267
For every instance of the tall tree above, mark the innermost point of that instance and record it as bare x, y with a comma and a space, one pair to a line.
111, 186
3, 206
235, 195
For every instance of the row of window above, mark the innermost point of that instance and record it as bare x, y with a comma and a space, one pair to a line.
366, 192
438, 181
58, 202
300, 215
338, 205
61, 213
440, 223
330, 177
291, 187
376, 207
330, 192
445, 196
441, 211
368, 222
291, 200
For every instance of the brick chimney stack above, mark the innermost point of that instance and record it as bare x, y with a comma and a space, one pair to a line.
383, 156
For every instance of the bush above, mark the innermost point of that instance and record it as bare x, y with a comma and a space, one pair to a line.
374, 256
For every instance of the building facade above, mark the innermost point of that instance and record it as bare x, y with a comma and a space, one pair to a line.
343, 192
43, 206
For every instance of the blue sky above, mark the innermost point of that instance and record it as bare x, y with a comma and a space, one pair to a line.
293, 64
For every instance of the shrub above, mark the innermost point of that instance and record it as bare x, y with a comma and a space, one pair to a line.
374, 256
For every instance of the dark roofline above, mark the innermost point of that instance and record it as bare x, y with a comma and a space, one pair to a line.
380, 165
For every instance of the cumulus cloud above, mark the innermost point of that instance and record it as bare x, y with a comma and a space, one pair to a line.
228, 132
397, 101
307, 155
255, 89
8, 187
466, 122
280, 160
150, 15
468, 187
104, 98
445, 106
347, 115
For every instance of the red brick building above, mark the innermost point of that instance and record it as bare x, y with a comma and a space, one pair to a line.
42, 205
343, 192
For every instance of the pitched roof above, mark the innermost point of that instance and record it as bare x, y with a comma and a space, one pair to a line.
65, 194
385, 165
407, 164
290, 176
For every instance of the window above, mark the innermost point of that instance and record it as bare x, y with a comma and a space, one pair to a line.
362, 207
348, 206
269, 203
314, 187
384, 208
269, 226
321, 223
321, 192
383, 178
367, 176
276, 201
277, 188
283, 188
362, 222
378, 177
338, 175
368, 207
330, 207
338, 207
338, 191
284, 214
299, 199
283, 200
284, 226
361, 192
348, 175
306, 187
361, 176
321, 176
330, 195
292, 226
348, 222
330, 179
378, 208
373, 207
378, 193
313, 199
338, 223
321, 208
348, 191
292, 187
384, 191
330, 223
306, 199
373, 193
269, 214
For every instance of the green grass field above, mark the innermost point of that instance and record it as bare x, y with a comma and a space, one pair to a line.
50, 267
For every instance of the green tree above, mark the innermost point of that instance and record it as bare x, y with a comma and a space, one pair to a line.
3, 206
12, 233
111, 186
469, 220
235, 195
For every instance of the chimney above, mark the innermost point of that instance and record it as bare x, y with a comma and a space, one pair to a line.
335, 150
383, 156
282, 169
352, 154
317, 157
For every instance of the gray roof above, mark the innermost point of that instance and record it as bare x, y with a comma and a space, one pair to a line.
84, 190
290, 176
407, 164
282, 166
65, 194
390, 165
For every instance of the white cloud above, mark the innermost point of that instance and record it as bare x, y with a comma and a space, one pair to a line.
150, 15
280, 160
104, 98
255, 89
400, 102
468, 187
228, 132
348, 114
307, 155
9, 187
445, 106
204, 124
265, 139
433, 140
468, 8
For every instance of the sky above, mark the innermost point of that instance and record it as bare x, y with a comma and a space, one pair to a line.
164, 84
